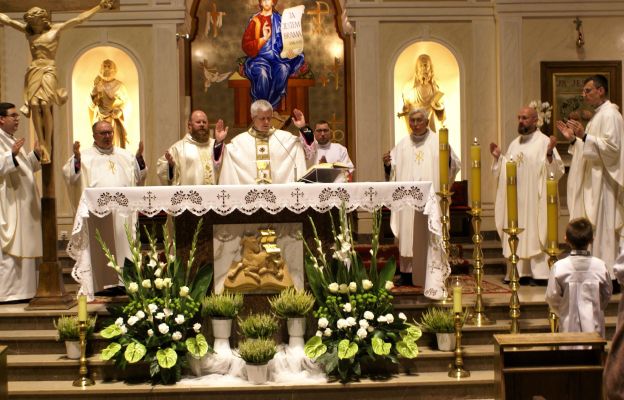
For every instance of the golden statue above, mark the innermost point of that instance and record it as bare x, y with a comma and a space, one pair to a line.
108, 97
40, 84
423, 92
261, 265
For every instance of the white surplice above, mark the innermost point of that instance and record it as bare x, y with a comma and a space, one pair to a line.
194, 163
102, 168
287, 158
529, 153
416, 158
596, 181
579, 289
334, 153
20, 222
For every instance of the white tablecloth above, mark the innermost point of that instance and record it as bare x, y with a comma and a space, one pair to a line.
296, 197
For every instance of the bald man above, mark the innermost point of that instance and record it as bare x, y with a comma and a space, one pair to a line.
195, 159
536, 158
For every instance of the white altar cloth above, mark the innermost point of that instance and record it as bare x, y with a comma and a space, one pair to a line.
296, 197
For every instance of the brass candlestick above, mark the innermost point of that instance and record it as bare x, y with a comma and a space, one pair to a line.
514, 301
84, 379
457, 369
445, 202
553, 253
478, 317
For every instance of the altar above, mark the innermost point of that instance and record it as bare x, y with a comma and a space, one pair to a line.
236, 204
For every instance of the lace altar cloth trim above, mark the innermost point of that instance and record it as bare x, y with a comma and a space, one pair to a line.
224, 199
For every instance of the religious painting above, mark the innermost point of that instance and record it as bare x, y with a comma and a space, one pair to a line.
562, 86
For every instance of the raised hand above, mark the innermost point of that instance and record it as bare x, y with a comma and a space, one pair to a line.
298, 118
169, 159
17, 146
220, 131
495, 151
37, 149
551, 144
266, 31
565, 130
387, 158
139, 152
77, 150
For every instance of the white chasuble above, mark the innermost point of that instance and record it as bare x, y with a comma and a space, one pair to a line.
254, 157
529, 153
596, 179
194, 163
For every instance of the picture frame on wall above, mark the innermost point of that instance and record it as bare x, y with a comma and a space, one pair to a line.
562, 86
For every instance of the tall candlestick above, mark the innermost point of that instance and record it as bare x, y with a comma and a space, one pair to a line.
552, 212
475, 173
457, 299
444, 157
512, 194
82, 308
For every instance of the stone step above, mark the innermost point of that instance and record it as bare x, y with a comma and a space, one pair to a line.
41, 341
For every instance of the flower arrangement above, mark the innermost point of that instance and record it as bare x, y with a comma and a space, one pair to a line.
68, 327
223, 305
257, 351
258, 326
544, 112
356, 319
292, 303
160, 324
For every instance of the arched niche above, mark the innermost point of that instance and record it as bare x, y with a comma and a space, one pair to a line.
86, 69
446, 75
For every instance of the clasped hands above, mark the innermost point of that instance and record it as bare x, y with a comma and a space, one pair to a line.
571, 129
20, 142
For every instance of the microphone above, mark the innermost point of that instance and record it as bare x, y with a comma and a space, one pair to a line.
288, 153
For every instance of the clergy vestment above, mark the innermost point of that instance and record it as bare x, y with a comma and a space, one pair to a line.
194, 163
612, 377
264, 157
596, 181
579, 289
334, 153
533, 168
415, 158
20, 222
116, 167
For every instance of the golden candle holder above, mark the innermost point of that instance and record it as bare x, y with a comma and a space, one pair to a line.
514, 284
84, 379
553, 255
478, 317
445, 203
457, 369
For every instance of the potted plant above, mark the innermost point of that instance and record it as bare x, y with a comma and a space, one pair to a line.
258, 326
293, 305
257, 353
440, 321
67, 327
222, 308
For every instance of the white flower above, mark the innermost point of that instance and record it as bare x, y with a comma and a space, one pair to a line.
152, 263
352, 287
351, 321
160, 315
362, 333
327, 332
363, 323
389, 285
133, 287
163, 328
370, 329
369, 315
343, 288
389, 318
150, 332
158, 282
172, 257
167, 312
176, 336
140, 314
342, 323
382, 318
197, 327
184, 291
346, 307
319, 333
146, 283
119, 321
544, 111
366, 284
124, 329
333, 287
167, 282
402, 316
179, 319
152, 307
133, 320
157, 272
371, 252
323, 322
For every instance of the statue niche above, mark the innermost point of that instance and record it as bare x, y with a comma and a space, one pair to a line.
261, 266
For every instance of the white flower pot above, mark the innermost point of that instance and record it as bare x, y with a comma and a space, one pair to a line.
296, 330
195, 364
257, 374
222, 330
72, 347
446, 341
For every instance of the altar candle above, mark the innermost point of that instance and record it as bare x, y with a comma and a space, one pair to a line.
444, 157
475, 172
512, 194
82, 308
552, 212
457, 299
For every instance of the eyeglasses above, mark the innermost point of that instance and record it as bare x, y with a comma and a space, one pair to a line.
588, 90
13, 115
105, 133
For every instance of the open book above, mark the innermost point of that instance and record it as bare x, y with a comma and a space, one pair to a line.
325, 173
